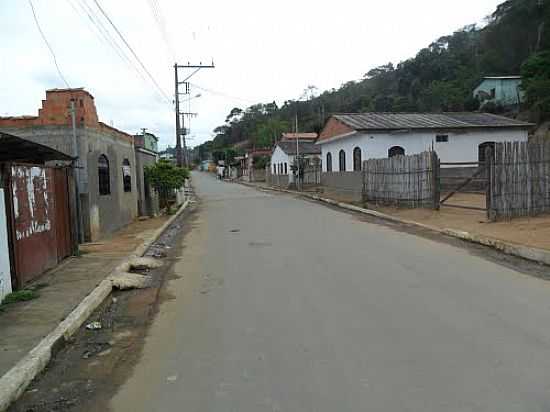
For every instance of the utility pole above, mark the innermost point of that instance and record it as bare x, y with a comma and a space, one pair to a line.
76, 170
297, 151
181, 150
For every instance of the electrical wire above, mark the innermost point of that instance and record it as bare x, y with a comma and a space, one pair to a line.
161, 24
48, 45
159, 89
222, 94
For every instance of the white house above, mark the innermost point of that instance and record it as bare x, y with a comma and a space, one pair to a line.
347, 139
284, 153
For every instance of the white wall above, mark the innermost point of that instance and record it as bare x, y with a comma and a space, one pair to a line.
461, 147
5, 276
279, 156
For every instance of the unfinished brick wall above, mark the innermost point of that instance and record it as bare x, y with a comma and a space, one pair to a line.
55, 111
334, 128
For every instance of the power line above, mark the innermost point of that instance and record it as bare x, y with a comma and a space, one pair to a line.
222, 94
48, 45
164, 95
161, 24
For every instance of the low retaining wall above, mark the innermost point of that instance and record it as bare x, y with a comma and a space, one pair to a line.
278, 180
347, 186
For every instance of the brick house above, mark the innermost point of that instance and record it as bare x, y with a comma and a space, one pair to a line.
106, 178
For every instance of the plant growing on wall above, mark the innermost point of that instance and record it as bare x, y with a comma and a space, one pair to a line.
165, 178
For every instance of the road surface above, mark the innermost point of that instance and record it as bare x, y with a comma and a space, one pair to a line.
279, 304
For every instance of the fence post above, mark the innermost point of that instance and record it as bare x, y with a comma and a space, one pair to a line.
489, 164
363, 181
435, 180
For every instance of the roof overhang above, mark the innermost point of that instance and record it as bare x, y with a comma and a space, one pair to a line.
337, 137
17, 149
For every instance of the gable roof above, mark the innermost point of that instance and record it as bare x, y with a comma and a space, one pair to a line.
400, 121
304, 147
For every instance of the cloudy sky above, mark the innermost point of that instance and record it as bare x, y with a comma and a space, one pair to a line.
263, 51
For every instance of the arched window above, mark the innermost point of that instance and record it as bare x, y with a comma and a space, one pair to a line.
104, 179
396, 151
342, 161
482, 150
329, 162
127, 175
357, 159
286, 170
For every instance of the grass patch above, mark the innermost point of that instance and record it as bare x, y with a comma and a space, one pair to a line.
20, 296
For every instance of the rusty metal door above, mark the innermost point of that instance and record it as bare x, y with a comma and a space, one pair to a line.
34, 221
62, 213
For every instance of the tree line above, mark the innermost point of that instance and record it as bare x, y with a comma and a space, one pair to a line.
514, 40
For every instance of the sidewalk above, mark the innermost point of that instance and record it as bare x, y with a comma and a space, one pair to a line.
25, 324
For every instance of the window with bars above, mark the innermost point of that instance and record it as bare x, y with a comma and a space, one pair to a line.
342, 161
127, 175
357, 159
104, 177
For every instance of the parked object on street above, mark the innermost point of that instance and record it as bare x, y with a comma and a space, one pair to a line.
106, 178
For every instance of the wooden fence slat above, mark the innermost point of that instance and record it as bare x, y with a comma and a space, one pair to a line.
401, 180
519, 180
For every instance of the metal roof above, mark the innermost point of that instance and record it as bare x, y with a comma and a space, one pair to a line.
405, 121
293, 136
17, 149
305, 147
503, 77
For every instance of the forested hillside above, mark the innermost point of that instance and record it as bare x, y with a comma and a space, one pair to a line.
441, 77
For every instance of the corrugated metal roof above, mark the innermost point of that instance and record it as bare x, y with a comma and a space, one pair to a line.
502, 77
305, 147
399, 121
17, 149
307, 136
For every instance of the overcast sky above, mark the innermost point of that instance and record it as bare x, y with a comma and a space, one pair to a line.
263, 51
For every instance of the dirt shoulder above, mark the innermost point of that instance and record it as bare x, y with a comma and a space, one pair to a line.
85, 373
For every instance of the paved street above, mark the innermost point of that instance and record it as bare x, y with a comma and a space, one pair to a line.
278, 304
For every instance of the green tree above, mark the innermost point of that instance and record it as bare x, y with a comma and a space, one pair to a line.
165, 177
536, 81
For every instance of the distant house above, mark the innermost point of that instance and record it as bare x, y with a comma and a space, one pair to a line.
284, 154
292, 137
348, 139
500, 90
146, 146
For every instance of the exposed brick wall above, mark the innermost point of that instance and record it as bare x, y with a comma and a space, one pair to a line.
333, 128
55, 112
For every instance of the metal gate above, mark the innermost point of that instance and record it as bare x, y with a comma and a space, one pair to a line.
466, 184
41, 219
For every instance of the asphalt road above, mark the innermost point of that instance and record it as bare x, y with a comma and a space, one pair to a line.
278, 304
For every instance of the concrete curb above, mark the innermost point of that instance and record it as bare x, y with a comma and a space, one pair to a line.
541, 256
14, 382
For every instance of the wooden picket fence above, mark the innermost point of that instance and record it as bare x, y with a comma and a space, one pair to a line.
410, 181
519, 180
